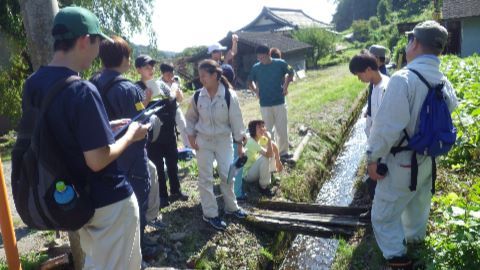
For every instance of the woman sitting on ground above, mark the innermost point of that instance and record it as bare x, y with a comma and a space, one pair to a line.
263, 157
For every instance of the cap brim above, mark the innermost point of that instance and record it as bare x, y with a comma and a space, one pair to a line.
408, 33
106, 37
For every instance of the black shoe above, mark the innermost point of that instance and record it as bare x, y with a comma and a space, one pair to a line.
266, 192
285, 157
178, 196
164, 202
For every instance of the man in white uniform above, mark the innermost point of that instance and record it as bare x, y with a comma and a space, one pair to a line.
399, 213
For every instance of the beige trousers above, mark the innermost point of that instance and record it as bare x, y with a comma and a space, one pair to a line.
153, 195
260, 171
111, 239
221, 150
276, 117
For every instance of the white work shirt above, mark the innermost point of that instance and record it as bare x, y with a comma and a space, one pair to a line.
211, 117
378, 92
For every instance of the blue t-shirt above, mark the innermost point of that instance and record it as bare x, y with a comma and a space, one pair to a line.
79, 123
125, 97
269, 79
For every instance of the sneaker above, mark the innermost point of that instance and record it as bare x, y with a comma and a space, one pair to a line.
216, 222
401, 262
240, 213
266, 192
178, 196
157, 224
164, 202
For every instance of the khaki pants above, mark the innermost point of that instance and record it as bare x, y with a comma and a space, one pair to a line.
219, 149
153, 195
260, 171
111, 239
276, 116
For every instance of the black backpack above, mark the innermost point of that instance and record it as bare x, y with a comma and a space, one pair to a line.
38, 164
227, 97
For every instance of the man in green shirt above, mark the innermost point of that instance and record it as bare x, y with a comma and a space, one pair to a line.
267, 81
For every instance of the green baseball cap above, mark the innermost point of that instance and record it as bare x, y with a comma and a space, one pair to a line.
430, 33
73, 22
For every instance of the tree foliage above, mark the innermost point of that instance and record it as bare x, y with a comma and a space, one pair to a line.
351, 10
383, 10
322, 41
124, 18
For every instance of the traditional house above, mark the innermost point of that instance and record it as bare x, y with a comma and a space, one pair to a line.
272, 27
465, 15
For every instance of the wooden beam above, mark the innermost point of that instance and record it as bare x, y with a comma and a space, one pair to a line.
310, 208
313, 218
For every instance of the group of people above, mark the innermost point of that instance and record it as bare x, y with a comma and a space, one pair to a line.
125, 170
402, 196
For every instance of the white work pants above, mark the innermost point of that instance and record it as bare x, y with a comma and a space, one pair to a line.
399, 214
153, 195
221, 150
260, 171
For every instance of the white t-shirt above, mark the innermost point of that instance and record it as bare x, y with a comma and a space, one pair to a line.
377, 96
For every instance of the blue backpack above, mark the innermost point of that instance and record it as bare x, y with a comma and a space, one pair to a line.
436, 134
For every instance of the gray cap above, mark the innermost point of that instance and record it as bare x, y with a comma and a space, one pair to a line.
378, 50
430, 33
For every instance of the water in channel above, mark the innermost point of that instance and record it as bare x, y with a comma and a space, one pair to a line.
308, 252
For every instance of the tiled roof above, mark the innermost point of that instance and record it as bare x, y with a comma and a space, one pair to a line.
455, 9
296, 17
284, 43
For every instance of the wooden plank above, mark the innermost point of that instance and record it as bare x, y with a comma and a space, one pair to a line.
299, 227
310, 208
314, 218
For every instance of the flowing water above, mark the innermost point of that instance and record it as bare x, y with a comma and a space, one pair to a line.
308, 252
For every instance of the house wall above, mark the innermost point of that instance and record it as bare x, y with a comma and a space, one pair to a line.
470, 36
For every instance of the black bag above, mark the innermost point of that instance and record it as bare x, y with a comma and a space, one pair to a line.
37, 165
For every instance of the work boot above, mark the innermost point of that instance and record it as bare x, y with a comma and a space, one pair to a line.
157, 224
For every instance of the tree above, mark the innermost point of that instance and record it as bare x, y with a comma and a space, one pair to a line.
360, 30
351, 10
383, 10
322, 41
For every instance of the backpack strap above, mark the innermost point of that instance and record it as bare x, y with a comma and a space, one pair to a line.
104, 91
227, 97
55, 90
413, 160
421, 77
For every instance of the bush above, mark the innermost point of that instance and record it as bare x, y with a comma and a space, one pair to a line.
464, 74
11, 85
360, 30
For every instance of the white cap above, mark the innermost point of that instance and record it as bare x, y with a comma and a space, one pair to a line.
216, 47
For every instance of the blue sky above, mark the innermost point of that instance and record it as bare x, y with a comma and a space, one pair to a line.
186, 23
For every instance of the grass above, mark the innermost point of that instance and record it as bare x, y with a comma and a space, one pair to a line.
6, 145
30, 261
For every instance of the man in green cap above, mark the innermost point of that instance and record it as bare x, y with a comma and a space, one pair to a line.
401, 205
111, 238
